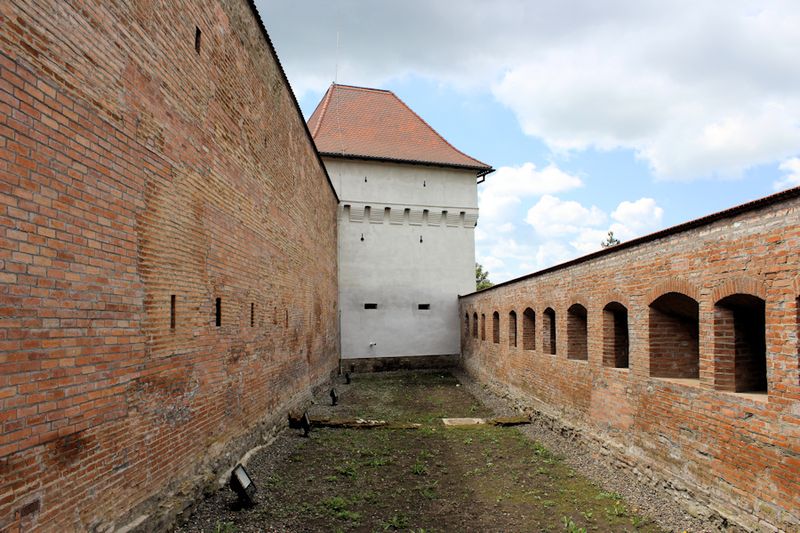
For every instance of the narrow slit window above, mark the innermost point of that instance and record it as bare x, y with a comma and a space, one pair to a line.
198, 35
252, 314
218, 318
424, 307
370, 306
172, 311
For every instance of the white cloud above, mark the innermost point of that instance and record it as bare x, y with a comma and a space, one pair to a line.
696, 89
588, 240
551, 253
491, 263
508, 186
791, 178
571, 229
552, 217
637, 218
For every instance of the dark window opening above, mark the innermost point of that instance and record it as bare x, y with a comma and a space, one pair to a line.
740, 346
172, 312
424, 307
370, 306
496, 327
512, 329
577, 332
483, 327
615, 335
549, 340
252, 314
475, 325
218, 319
674, 337
529, 329
197, 37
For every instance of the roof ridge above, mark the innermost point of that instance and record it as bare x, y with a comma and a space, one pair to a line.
479, 162
360, 88
323, 107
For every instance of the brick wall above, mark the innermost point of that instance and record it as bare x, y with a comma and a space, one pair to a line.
711, 307
152, 161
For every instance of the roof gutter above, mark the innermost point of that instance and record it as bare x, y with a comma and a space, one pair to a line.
482, 170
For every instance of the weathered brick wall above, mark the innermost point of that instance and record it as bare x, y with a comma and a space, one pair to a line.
735, 452
135, 166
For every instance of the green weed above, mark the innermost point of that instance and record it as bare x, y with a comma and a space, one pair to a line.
347, 470
571, 526
225, 527
419, 469
398, 521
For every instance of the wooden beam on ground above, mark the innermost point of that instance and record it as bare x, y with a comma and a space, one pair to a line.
360, 423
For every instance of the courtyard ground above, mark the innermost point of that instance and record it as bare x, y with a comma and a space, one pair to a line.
481, 478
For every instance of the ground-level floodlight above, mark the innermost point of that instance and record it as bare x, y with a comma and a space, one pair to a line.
334, 397
347, 377
305, 424
243, 486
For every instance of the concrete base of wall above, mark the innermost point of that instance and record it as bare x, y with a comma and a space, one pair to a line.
413, 362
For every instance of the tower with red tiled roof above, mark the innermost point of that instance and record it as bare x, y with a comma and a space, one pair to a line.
407, 215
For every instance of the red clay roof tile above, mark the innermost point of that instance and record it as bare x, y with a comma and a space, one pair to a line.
375, 124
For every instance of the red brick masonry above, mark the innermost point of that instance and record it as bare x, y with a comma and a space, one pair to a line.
152, 161
693, 374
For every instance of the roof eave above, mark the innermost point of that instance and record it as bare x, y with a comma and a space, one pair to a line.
480, 170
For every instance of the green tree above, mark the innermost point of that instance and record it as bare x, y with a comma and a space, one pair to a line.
481, 278
610, 241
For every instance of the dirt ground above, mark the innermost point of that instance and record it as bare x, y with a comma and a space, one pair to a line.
482, 478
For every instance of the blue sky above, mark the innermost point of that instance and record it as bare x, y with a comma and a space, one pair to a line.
631, 117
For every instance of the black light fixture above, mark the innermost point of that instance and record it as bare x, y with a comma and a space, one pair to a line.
347, 377
334, 397
243, 486
420, 238
305, 424
362, 237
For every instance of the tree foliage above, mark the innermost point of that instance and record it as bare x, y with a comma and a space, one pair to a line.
481, 278
610, 240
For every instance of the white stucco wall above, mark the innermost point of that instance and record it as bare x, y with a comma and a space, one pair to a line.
396, 206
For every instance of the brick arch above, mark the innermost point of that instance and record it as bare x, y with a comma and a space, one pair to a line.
614, 296
739, 285
796, 286
578, 299
673, 285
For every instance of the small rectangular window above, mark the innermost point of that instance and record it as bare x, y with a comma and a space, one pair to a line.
424, 307
218, 319
172, 311
370, 306
252, 314
197, 36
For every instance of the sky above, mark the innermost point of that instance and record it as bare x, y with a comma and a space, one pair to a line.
625, 116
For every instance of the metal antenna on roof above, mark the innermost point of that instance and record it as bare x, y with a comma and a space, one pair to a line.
336, 67
336, 78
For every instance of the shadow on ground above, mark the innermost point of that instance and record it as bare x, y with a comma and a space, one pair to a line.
481, 478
